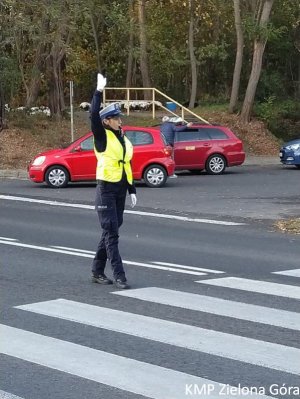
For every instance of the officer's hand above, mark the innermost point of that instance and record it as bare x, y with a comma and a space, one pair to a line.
133, 200
101, 82
190, 124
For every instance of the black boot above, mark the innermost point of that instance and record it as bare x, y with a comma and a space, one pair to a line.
121, 284
101, 279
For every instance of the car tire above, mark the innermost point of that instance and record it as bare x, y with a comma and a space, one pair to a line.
155, 176
215, 164
195, 171
57, 177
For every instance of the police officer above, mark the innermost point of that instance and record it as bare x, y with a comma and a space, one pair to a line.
114, 177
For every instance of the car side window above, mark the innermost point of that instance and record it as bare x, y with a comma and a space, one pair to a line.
216, 134
138, 137
192, 135
87, 144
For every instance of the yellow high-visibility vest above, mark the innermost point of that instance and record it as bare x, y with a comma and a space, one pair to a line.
110, 163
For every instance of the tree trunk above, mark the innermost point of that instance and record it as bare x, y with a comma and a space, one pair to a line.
55, 81
298, 80
95, 40
297, 45
35, 81
2, 109
130, 45
259, 47
21, 62
239, 57
143, 50
38, 66
192, 57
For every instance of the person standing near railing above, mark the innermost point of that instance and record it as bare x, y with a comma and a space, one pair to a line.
168, 128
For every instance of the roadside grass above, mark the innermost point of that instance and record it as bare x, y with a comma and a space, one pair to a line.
207, 108
291, 226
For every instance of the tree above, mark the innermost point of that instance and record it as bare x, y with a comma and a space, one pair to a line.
143, 49
297, 45
61, 14
130, 43
193, 61
239, 56
264, 8
2, 108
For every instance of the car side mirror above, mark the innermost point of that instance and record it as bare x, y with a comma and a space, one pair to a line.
77, 149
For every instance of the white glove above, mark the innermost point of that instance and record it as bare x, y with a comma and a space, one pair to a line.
133, 200
101, 82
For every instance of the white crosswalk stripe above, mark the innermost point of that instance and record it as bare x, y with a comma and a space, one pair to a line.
292, 272
221, 307
262, 287
234, 347
7, 395
151, 380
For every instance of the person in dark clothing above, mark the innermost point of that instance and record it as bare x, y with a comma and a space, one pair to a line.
168, 128
114, 178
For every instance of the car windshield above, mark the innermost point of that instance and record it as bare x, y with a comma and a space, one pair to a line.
66, 145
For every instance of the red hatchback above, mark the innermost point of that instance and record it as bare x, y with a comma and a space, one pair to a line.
207, 147
151, 160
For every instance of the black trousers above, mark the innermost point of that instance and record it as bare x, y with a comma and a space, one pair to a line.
110, 204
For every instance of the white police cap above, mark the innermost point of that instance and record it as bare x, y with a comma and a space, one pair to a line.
110, 111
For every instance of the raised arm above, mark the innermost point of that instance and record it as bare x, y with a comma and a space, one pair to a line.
183, 127
96, 124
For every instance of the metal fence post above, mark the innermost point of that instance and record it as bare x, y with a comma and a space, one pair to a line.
71, 111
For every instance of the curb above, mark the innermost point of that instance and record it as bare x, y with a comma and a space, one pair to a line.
13, 174
262, 160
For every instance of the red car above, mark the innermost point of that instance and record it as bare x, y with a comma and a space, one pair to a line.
207, 147
151, 160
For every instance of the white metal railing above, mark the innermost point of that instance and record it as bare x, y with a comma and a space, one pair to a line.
153, 102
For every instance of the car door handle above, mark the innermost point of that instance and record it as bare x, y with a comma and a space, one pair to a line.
206, 145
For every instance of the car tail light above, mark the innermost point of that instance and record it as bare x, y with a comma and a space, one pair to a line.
168, 151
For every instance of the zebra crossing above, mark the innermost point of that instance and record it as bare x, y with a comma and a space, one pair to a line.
155, 381
292, 272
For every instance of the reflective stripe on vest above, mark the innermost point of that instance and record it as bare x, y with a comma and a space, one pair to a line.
111, 163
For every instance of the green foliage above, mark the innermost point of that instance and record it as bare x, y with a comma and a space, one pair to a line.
9, 76
213, 51
282, 117
26, 24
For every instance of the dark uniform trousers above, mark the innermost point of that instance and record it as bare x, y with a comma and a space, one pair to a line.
110, 204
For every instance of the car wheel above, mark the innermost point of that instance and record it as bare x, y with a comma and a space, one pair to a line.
155, 176
195, 171
57, 177
215, 165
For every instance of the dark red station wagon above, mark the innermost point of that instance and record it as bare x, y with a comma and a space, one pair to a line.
151, 160
207, 147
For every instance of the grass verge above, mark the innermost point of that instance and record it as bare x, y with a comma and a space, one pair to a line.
291, 226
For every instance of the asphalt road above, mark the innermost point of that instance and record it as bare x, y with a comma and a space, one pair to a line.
193, 320
266, 192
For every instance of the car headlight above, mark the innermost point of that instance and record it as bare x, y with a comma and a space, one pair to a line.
39, 160
293, 147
